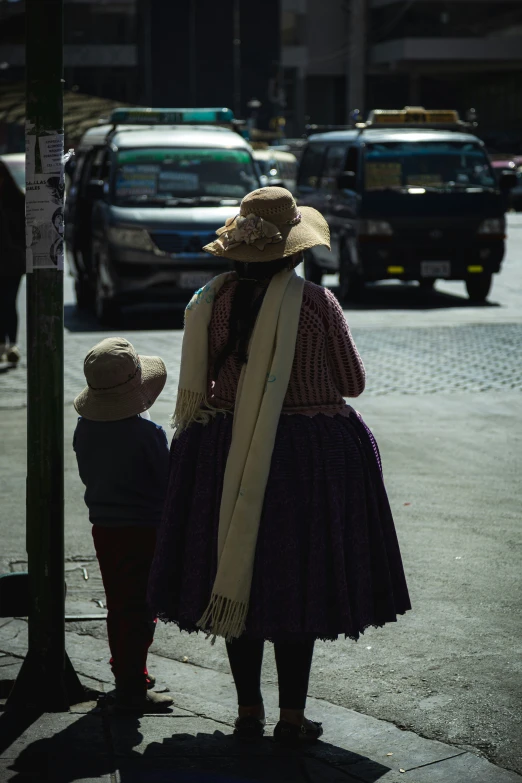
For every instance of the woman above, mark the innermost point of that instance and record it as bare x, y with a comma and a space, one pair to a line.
276, 524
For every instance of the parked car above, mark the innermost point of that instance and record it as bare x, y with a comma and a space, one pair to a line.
143, 202
278, 168
500, 166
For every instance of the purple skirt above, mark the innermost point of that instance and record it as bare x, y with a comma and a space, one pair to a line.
327, 559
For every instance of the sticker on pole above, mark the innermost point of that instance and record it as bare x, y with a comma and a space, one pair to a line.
44, 199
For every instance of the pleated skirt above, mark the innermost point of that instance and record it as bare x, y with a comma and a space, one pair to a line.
327, 560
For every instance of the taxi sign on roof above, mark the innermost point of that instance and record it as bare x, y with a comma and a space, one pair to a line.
142, 116
414, 115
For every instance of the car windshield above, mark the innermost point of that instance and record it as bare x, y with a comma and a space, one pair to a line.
433, 165
166, 175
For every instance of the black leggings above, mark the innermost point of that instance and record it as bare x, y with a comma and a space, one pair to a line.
293, 661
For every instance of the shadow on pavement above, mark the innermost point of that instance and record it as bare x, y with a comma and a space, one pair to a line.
381, 296
397, 296
66, 747
131, 319
49, 754
14, 724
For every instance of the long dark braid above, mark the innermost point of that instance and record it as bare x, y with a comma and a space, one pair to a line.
246, 306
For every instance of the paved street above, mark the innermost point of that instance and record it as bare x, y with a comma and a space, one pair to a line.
443, 397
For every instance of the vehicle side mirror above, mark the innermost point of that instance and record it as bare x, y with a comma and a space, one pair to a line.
95, 189
507, 181
347, 180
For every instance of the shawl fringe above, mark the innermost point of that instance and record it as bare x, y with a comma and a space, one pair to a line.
224, 617
191, 407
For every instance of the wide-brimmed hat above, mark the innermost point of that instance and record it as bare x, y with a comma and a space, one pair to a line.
120, 383
269, 226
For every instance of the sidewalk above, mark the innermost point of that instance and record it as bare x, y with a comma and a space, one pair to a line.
193, 743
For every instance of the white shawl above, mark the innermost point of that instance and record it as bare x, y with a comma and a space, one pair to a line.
261, 391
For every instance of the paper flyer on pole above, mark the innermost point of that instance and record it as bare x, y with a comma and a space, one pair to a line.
44, 199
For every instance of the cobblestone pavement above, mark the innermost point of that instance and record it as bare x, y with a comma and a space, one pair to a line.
474, 357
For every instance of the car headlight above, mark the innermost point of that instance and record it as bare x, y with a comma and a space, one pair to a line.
493, 226
375, 228
135, 238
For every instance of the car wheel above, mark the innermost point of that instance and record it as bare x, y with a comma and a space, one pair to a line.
313, 272
478, 286
107, 309
427, 283
84, 295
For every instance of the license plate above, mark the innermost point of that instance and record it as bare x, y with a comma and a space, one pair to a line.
435, 268
194, 280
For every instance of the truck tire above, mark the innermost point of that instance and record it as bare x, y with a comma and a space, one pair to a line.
313, 272
84, 295
351, 284
478, 286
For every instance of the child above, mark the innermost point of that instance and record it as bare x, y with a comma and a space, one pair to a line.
123, 460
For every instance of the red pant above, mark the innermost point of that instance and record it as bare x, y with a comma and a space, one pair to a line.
125, 556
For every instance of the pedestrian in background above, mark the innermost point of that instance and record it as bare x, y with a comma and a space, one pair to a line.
276, 524
123, 462
12, 262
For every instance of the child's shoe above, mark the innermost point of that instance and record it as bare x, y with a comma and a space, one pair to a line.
133, 696
13, 355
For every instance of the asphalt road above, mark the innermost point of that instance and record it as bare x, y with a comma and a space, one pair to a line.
443, 398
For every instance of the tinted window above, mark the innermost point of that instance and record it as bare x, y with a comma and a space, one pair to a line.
311, 166
158, 175
427, 164
80, 161
334, 165
352, 160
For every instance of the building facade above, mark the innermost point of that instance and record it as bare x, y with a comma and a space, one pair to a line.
163, 53
100, 51
339, 55
313, 61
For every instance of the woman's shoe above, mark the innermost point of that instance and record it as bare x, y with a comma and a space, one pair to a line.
291, 734
249, 728
132, 696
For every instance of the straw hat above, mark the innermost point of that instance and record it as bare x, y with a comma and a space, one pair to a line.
120, 383
269, 226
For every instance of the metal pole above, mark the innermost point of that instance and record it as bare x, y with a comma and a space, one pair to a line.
237, 58
356, 76
47, 679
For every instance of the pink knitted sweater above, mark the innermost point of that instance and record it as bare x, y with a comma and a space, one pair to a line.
326, 368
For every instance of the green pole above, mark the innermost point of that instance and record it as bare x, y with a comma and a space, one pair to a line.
47, 679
